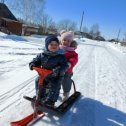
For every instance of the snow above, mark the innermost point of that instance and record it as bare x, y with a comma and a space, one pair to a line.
118, 47
99, 76
38, 36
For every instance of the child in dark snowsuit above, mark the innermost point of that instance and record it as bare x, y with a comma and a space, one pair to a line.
50, 59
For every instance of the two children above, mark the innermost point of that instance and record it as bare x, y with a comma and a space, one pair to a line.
61, 65
50, 59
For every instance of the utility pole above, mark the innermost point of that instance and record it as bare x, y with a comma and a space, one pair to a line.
81, 21
118, 35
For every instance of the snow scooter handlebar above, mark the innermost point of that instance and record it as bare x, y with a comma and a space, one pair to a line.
42, 74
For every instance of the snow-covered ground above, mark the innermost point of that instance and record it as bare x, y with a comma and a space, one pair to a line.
100, 76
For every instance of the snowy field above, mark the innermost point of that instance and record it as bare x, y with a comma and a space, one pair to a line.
100, 76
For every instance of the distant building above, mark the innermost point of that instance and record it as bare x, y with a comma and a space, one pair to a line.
83, 34
29, 30
8, 23
99, 38
123, 43
112, 40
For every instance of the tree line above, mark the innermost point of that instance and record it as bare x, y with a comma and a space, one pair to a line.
33, 12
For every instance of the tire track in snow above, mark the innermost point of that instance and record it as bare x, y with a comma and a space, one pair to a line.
17, 91
111, 78
119, 64
85, 74
110, 87
85, 70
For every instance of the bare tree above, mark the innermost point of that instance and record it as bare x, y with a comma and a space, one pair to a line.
94, 31
2, 1
47, 23
67, 25
85, 29
33, 9
124, 37
28, 10
52, 27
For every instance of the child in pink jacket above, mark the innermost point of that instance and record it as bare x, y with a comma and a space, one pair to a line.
69, 46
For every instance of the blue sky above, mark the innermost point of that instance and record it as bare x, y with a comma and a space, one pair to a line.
109, 14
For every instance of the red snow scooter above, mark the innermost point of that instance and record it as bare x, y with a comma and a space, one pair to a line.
40, 113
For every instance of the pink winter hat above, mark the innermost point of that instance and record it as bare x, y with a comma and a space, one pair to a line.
67, 35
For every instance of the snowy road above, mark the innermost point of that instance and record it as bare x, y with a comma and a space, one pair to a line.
99, 76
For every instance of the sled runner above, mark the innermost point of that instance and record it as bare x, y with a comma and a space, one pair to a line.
62, 108
29, 120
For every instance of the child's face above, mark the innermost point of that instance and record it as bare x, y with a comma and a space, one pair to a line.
66, 42
53, 46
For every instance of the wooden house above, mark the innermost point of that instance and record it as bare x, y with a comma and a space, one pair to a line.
29, 30
8, 23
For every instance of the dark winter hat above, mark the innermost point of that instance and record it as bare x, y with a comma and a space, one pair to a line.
49, 39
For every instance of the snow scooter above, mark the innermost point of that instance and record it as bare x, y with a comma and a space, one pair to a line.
38, 114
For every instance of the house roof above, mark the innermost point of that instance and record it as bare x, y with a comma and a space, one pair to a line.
9, 20
6, 13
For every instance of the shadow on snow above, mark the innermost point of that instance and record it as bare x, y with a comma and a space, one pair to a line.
89, 112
